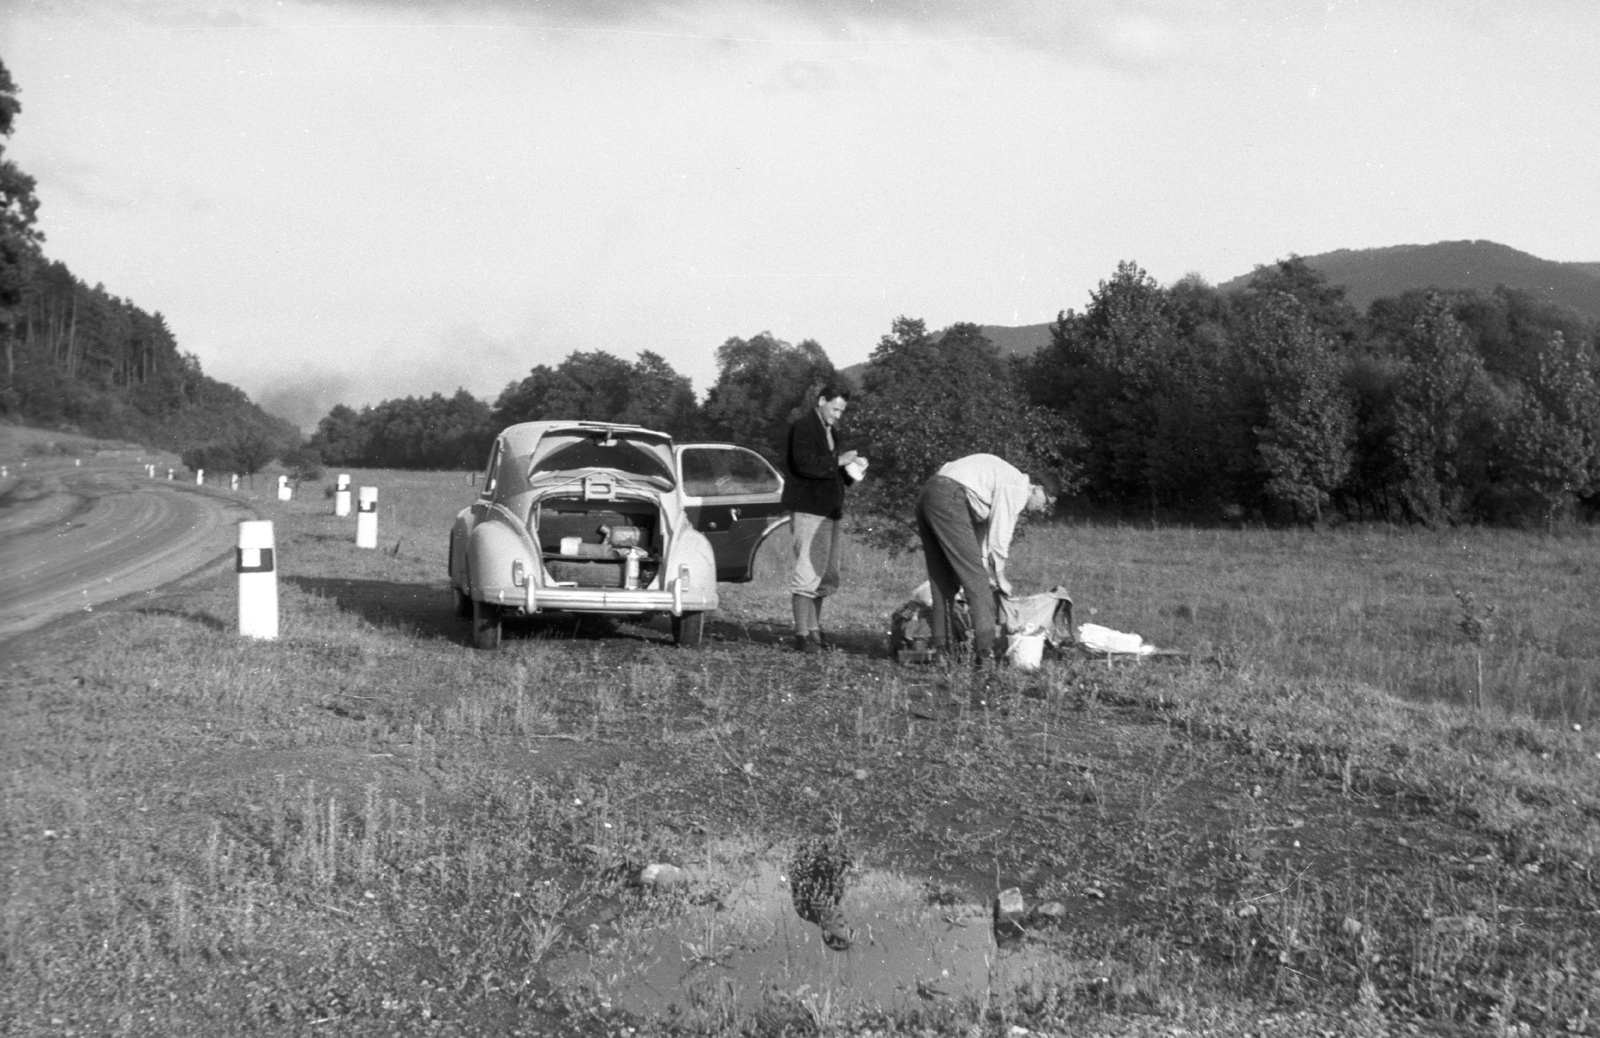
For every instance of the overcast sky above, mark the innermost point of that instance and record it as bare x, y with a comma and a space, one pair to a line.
353, 201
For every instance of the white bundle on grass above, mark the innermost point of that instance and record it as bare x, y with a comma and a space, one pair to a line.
1112, 643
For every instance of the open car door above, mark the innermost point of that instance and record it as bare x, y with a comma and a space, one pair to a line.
732, 495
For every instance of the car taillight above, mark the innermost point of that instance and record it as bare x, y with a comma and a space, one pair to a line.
683, 577
519, 574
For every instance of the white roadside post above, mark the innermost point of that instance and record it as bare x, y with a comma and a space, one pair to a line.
199, 477
233, 481
285, 492
169, 476
341, 495
4, 472
367, 518
258, 580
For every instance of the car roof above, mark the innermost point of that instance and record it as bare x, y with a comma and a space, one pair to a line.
523, 437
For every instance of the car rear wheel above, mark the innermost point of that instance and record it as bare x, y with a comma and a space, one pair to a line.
486, 626
689, 629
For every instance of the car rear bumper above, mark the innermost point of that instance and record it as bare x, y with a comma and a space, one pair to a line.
614, 601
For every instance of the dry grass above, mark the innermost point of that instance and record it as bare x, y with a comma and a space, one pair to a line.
368, 828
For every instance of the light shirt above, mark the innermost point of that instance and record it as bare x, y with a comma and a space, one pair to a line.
826, 428
997, 493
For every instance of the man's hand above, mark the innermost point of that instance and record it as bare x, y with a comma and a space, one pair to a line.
847, 457
998, 581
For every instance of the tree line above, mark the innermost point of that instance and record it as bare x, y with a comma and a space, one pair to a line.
1280, 402
760, 382
80, 358
1284, 402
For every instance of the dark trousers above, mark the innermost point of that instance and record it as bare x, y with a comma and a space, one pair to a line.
955, 562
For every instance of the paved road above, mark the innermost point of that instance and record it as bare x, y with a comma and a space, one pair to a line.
74, 538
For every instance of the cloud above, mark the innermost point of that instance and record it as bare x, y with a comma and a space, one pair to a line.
75, 181
1138, 37
467, 357
170, 14
460, 357
1110, 32
304, 397
101, 189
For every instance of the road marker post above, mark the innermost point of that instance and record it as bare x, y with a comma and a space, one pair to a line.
341, 495
233, 481
169, 476
258, 580
199, 477
367, 518
285, 491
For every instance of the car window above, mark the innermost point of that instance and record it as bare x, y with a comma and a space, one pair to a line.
648, 459
726, 471
491, 471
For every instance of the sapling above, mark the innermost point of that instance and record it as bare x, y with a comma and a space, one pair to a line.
1474, 623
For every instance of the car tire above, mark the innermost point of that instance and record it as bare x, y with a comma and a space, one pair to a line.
689, 629
486, 626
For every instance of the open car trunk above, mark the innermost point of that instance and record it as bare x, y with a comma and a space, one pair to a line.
599, 544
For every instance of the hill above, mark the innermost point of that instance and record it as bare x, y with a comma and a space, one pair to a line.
1022, 341
1369, 274
79, 359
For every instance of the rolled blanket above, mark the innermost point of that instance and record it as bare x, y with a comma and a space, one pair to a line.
1103, 639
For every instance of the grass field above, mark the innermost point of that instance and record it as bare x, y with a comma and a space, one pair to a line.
1303, 825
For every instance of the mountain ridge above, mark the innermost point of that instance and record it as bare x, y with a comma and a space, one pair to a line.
1481, 265
1387, 271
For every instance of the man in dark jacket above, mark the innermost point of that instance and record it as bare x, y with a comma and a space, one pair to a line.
814, 494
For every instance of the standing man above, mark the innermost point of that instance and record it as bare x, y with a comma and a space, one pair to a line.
814, 494
966, 517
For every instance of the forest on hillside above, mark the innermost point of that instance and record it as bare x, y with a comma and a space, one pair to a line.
1375, 273
1279, 402
79, 358
1283, 400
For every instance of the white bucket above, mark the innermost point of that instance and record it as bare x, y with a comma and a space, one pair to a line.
1025, 649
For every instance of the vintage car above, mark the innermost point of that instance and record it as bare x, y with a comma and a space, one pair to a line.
596, 517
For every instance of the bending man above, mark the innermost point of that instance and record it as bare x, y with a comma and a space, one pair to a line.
966, 517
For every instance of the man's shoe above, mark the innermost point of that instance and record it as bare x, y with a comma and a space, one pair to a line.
807, 643
821, 639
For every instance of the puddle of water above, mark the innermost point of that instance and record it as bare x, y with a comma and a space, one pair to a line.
754, 948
